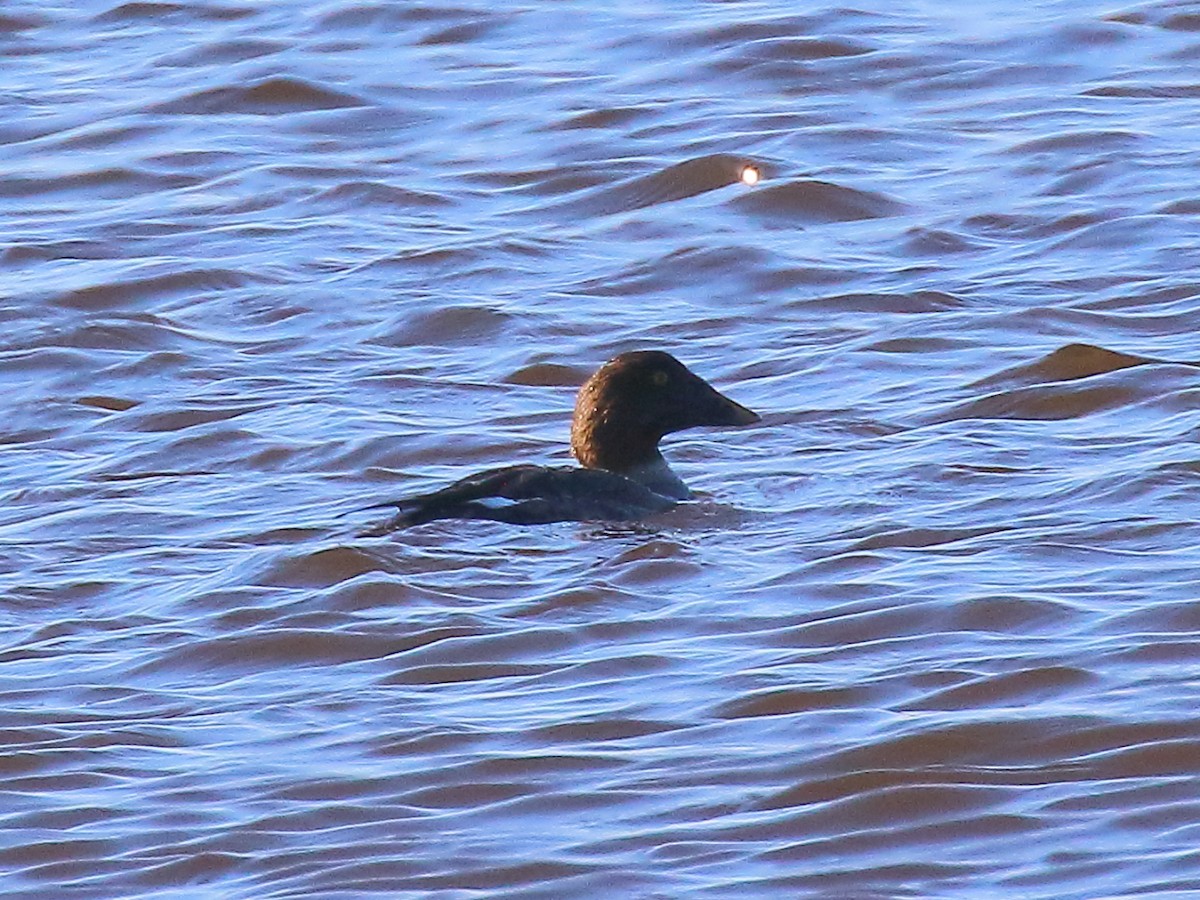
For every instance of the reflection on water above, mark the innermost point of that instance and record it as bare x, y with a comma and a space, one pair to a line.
930, 629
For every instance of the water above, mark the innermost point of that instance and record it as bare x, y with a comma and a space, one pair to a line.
930, 631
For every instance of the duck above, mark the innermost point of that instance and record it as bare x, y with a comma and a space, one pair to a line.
621, 413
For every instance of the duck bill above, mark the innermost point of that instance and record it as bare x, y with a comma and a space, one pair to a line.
736, 414
720, 410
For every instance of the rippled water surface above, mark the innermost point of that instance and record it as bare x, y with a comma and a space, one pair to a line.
932, 629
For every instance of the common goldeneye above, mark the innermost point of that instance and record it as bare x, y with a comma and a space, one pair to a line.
621, 413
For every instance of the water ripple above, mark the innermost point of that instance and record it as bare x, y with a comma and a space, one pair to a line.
928, 630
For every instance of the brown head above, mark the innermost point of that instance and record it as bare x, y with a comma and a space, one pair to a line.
623, 410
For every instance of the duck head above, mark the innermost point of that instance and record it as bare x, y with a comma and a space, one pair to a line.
634, 399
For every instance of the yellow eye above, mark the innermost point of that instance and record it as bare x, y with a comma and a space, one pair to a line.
659, 378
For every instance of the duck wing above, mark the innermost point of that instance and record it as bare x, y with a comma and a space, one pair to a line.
532, 495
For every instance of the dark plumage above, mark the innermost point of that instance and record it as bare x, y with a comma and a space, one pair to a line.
621, 413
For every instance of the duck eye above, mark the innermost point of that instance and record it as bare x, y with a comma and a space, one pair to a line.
659, 378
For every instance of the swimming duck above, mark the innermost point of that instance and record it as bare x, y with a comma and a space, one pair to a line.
621, 413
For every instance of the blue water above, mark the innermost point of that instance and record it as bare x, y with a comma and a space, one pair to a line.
930, 629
